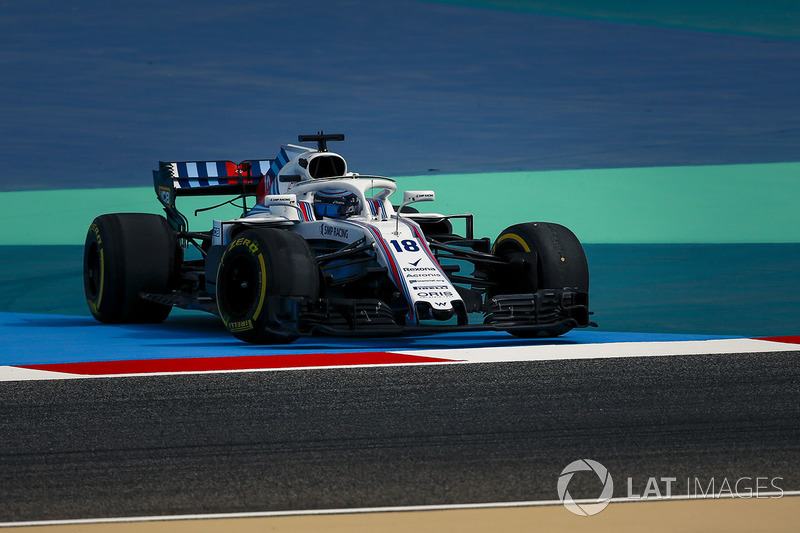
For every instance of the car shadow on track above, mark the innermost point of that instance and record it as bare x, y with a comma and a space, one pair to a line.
188, 330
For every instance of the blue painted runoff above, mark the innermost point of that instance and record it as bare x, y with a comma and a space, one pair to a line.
45, 339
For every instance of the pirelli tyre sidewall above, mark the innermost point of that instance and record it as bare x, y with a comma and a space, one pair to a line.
559, 257
257, 266
549, 256
125, 255
96, 275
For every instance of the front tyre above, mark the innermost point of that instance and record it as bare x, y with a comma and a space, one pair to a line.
125, 255
540, 255
555, 254
260, 269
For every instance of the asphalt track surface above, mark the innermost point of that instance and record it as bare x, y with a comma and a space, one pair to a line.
339, 438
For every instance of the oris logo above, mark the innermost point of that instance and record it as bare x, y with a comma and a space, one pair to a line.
435, 294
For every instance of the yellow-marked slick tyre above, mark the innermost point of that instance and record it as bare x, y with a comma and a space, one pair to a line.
559, 257
258, 266
125, 255
545, 256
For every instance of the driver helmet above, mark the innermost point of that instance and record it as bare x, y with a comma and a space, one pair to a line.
335, 203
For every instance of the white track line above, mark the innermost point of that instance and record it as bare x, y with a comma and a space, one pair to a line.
363, 510
612, 350
14, 373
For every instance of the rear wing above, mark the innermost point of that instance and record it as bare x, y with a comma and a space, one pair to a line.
211, 178
205, 178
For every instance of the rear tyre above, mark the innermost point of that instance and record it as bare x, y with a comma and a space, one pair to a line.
541, 255
125, 255
257, 268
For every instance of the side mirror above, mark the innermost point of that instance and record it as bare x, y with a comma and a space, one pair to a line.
409, 197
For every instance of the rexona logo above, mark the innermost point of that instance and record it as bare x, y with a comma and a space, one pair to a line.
586, 507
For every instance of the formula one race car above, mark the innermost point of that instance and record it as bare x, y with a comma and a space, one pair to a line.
323, 251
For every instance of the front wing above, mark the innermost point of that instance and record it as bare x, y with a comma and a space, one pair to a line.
547, 312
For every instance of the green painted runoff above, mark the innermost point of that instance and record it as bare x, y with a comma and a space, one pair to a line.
702, 204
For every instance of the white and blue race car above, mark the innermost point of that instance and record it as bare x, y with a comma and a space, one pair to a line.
323, 251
